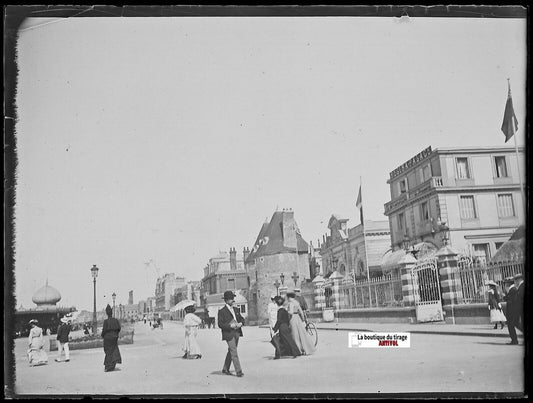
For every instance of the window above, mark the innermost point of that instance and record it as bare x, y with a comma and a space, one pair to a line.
426, 173
243, 308
424, 212
501, 167
505, 205
498, 245
403, 186
231, 283
401, 222
463, 171
467, 207
481, 251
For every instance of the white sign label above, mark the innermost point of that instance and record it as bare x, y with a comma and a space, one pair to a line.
379, 340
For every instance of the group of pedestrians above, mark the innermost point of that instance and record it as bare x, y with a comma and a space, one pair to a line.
514, 312
37, 354
287, 320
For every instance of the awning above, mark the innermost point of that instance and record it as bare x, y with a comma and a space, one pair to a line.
182, 305
391, 258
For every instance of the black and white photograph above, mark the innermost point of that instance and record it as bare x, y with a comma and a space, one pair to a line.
265, 202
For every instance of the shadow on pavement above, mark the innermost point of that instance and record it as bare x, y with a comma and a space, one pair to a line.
494, 343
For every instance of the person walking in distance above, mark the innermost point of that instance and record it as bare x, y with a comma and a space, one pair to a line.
63, 332
511, 310
230, 322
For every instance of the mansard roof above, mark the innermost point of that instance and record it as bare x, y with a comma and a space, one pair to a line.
270, 240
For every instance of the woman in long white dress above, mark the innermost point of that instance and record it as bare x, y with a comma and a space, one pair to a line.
299, 334
36, 353
191, 323
495, 307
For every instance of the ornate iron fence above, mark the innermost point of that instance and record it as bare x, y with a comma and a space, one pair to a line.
384, 291
473, 277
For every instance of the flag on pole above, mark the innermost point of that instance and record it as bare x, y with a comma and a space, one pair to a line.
510, 123
359, 204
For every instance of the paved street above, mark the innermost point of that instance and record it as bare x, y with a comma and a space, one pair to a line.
153, 365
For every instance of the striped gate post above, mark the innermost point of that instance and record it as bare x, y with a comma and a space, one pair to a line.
320, 299
407, 262
450, 283
336, 279
336, 293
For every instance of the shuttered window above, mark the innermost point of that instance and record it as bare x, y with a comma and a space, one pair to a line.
505, 205
467, 207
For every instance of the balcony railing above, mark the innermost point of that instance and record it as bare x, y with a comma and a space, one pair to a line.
433, 182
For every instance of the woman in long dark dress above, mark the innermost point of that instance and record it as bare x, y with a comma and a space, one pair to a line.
287, 344
110, 334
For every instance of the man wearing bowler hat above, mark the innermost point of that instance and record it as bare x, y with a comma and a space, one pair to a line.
511, 309
231, 321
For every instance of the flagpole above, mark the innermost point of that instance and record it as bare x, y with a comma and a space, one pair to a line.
364, 242
516, 152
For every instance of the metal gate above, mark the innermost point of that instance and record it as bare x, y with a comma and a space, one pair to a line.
426, 289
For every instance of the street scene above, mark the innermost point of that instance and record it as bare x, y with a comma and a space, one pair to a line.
330, 203
154, 365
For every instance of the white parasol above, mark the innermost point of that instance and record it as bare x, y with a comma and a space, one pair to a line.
182, 305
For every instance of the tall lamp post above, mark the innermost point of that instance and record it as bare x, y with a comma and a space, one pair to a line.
94, 273
114, 297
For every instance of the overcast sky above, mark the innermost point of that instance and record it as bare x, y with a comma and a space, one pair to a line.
172, 139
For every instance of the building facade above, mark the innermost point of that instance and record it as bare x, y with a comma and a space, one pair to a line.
355, 252
223, 272
165, 289
468, 196
279, 259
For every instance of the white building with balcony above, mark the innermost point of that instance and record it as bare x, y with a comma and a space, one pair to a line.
470, 196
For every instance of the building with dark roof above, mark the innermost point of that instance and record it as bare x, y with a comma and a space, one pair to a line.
279, 250
223, 272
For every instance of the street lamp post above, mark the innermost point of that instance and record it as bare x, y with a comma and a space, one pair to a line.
114, 297
94, 273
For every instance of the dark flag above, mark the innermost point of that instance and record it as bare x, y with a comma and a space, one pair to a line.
359, 204
510, 123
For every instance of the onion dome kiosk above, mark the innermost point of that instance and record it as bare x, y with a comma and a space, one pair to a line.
46, 311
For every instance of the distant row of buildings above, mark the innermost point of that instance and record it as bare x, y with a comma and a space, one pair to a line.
467, 197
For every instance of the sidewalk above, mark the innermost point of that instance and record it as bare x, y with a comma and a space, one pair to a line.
422, 328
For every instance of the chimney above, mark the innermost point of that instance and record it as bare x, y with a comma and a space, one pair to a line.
245, 253
232, 259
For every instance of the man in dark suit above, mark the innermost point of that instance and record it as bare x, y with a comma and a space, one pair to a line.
511, 309
231, 321
519, 285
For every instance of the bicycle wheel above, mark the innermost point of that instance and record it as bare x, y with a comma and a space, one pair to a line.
311, 330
